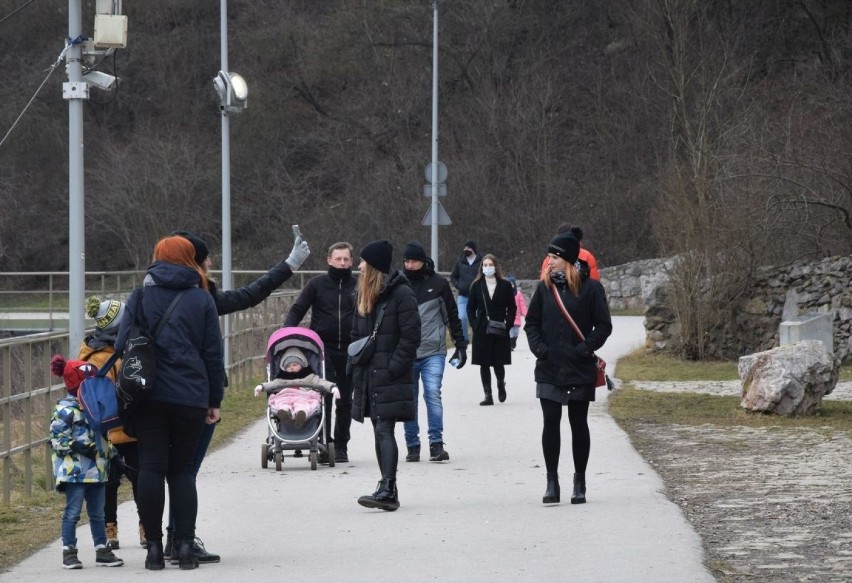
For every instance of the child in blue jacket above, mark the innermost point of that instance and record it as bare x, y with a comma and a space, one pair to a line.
81, 460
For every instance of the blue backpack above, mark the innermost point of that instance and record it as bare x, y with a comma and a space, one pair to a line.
98, 398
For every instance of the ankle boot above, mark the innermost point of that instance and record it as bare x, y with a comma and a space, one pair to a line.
551, 494
186, 557
155, 561
171, 550
488, 399
578, 496
501, 390
386, 496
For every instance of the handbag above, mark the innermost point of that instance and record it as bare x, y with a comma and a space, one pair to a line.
361, 351
602, 379
138, 373
494, 327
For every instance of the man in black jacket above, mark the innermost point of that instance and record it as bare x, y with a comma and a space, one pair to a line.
464, 272
330, 297
437, 310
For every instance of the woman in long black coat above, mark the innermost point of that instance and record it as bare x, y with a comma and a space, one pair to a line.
384, 387
491, 298
565, 367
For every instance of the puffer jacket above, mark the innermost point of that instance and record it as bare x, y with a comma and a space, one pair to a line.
79, 455
189, 352
561, 358
438, 311
243, 298
384, 387
330, 299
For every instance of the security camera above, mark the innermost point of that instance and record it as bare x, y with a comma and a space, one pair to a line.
102, 81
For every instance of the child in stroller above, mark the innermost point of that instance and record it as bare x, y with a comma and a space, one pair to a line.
296, 392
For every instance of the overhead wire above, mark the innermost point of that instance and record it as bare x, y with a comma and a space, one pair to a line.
68, 44
15, 11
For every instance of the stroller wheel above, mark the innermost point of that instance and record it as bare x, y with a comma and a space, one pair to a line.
330, 450
264, 459
279, 460
313, 458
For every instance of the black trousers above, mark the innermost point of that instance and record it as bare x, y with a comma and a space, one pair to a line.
387, 452
168, 440
335, 371
129, 466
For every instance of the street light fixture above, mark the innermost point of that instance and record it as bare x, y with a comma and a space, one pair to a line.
232, 90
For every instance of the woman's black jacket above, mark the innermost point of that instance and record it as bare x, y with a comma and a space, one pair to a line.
561, 358
384, 388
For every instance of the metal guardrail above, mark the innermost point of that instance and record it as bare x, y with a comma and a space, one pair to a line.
28, 392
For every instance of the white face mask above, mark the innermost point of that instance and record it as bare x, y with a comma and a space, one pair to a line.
488, 271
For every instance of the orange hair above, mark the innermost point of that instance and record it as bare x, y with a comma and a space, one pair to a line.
178, 250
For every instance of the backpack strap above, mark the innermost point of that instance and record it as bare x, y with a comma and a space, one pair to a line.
168, 313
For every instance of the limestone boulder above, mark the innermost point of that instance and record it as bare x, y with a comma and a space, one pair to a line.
788, 380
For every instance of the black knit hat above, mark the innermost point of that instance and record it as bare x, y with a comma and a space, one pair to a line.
470, 243
415, 251
566, 246
378, 255
201, 251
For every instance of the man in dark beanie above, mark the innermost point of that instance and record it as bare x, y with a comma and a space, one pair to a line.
464, 272
228, 302
434, 299
330, 298
378, 254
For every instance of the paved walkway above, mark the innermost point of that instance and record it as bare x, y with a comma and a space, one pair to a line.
477, 517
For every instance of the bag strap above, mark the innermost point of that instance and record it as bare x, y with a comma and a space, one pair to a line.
168, 313
565, 313
379, 320
102, 372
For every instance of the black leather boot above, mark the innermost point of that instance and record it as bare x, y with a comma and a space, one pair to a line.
551, 494
489, 400
501, 390
578, 496
386, 496
186, 556
155, 561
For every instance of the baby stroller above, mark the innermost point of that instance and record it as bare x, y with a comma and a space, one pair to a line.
283, 434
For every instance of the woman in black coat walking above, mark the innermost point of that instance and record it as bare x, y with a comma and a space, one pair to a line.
491, 298
565, 368
384, 387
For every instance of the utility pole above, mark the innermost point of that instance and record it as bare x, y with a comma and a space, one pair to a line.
226, 180
76, 91
434, 181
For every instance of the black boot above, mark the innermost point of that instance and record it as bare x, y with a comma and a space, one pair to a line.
155, 560
578, 496
385, 497
501, 390
551, 495
171, 550
488, 399
186, 556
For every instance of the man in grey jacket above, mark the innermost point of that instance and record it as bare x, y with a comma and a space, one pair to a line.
438, 310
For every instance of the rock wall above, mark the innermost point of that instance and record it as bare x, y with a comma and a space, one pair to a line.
778, 294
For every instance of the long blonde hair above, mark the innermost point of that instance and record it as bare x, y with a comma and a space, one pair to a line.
370, 284
572, 278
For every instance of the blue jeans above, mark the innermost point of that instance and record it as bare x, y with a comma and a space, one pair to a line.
74, 496
461, 302
431, 370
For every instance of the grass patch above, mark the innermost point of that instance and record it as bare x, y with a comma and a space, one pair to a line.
629, 406
642, 366
28, 524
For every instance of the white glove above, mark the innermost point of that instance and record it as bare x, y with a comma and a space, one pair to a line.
258, 390
299, 253
336, 392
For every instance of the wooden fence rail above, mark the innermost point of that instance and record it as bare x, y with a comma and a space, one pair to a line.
28, 392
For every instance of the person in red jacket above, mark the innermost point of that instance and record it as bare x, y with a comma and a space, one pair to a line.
586, 259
